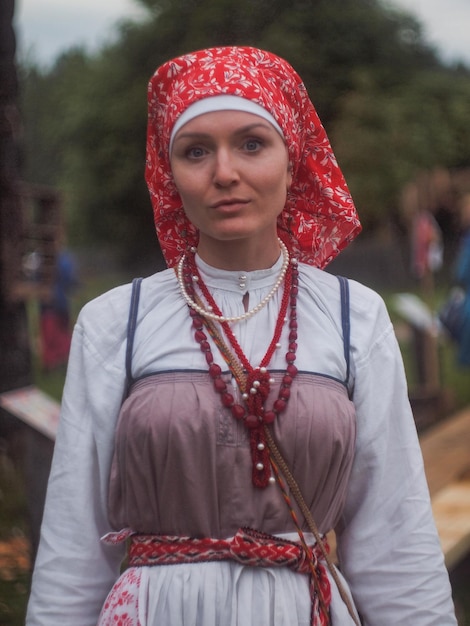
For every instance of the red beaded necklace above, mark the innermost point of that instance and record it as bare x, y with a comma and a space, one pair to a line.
254, 383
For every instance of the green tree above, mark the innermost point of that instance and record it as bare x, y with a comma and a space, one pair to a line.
364, 65
384, 138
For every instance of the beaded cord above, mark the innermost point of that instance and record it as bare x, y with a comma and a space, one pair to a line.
268, 445
254, 383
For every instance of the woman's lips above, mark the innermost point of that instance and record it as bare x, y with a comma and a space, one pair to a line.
229, 203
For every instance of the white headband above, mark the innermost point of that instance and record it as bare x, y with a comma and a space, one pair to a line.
222, 103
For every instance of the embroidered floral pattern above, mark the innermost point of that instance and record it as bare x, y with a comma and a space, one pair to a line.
122, 604
319, 219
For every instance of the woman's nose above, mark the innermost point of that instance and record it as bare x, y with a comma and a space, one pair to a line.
225, 170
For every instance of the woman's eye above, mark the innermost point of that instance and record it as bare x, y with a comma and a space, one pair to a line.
252, 145
196, 152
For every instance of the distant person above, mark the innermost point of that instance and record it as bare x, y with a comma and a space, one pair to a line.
462, 277
55, 330
237, 387
427, 246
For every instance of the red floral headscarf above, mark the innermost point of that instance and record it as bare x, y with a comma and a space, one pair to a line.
319, 218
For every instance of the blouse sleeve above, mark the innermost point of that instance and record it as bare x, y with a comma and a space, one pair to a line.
388, 546
74, 570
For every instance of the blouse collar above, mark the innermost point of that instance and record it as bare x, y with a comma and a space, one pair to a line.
238, 281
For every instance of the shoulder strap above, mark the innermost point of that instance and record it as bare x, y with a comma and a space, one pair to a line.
131, 325
345, 322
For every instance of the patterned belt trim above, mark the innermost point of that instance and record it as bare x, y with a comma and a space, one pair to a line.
248, 547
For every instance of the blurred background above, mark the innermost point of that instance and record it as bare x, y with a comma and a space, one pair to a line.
391, 83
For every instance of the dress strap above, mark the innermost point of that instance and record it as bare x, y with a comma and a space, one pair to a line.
134, 307
345, 322
131, 326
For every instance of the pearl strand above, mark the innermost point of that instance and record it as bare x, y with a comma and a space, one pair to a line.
238, 318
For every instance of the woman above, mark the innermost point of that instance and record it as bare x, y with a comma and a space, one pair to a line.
242, 347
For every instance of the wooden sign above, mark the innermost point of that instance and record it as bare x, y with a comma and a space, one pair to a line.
33, 407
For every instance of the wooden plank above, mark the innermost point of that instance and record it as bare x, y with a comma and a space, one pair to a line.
446, 451
451, 509
446, 454
34, 407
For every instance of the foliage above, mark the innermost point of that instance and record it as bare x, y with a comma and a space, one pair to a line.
384, 138
388, 105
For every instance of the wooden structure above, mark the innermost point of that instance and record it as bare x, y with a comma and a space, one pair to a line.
429, 400
29, 254
29, 228
446, 453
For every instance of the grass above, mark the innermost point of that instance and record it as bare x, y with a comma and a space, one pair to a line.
15, 580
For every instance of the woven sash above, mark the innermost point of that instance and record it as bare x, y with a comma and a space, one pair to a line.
248, 547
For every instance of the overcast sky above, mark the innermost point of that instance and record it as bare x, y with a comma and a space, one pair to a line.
45, 28
446, 24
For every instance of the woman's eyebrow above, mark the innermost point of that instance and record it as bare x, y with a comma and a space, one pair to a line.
248, 127
239, 131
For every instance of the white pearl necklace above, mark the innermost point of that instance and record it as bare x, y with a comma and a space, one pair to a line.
244, 316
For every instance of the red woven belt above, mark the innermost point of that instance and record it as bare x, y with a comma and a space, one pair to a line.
248, 547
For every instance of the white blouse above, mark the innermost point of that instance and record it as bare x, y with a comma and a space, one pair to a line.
388, 546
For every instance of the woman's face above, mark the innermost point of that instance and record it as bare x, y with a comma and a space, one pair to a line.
232, 171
